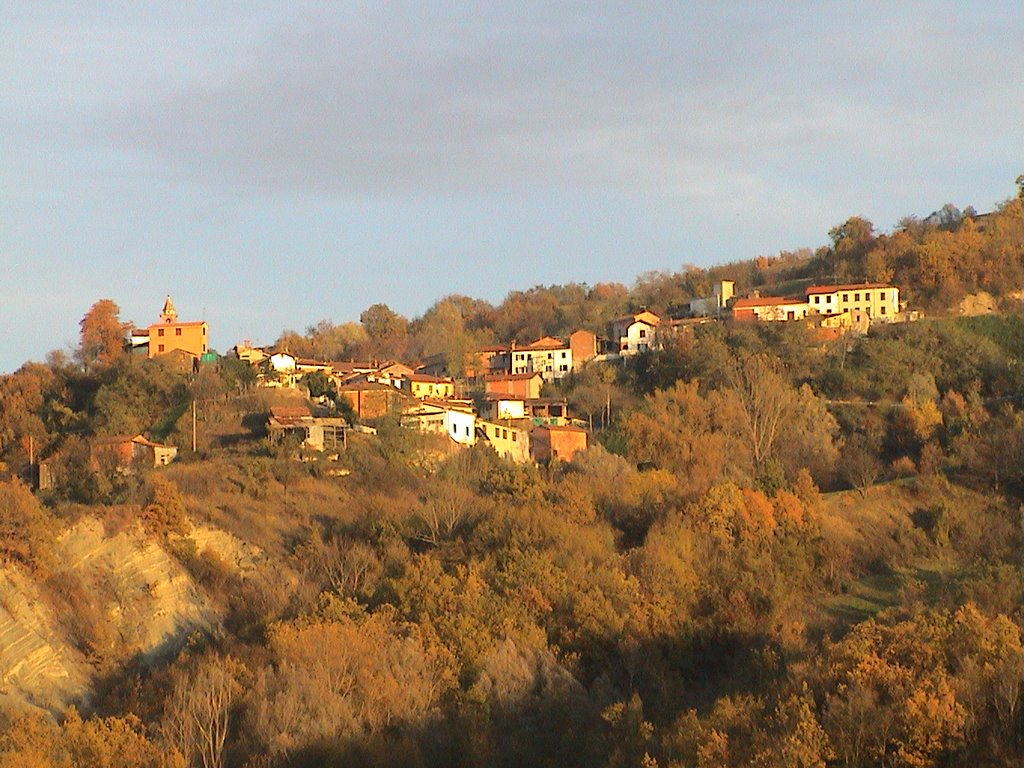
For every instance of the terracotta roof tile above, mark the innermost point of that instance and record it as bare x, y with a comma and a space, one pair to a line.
813, 289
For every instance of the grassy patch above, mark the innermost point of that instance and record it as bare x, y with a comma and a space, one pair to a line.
928, 580
865, 598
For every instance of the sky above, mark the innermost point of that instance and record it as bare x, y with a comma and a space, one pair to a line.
271, 165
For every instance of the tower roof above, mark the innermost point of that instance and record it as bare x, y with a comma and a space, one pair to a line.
169, 313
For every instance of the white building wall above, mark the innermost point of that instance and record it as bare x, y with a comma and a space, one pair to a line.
460, 426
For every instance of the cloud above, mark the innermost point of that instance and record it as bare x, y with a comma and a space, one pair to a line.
709, 105
389, 104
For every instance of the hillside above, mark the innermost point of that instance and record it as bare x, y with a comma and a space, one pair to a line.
774, 546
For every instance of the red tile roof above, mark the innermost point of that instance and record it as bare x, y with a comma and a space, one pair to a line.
425, 379
637, 317
289, 411
548, 342
511, 376
178, 323
845, 287
765, 301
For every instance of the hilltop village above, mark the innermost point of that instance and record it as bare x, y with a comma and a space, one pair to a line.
721, 517
497, 401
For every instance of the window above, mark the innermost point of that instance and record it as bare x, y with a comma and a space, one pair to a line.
817, 299
565, 354
881, 309
828, 299
643, 333
160, 348
467, 431
563, 367
159, 331
177, 331
846, 297
515, 437
856, 297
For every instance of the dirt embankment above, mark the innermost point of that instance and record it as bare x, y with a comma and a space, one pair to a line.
130, 597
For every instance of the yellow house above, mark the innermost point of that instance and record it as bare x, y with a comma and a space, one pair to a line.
170, 334
420, 386
880, 302
509, 440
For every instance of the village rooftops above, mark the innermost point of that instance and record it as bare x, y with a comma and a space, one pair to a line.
563, 428
449, 405
351, 366
511, 376
765, 301
425, 379
118, 439
548, 342
643, 316
537, 400
287, 415
361, 385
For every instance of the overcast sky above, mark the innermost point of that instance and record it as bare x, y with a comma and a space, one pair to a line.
270, 165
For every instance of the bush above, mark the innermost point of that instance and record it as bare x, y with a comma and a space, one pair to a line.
27, 529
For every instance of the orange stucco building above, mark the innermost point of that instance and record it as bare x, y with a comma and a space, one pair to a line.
170, 334
550, 442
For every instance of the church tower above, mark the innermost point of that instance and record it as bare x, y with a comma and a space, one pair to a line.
170, 314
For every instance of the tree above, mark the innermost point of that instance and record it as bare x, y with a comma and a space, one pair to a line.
760, 407
139, 397
861, 465
442, 331
198, 711
387, 330
102, 335
851, 242
23, 395
673, 430
113, 742
27, 529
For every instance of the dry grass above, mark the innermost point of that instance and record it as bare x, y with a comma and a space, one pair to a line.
893, 561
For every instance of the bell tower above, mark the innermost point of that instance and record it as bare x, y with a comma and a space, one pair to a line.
170, 314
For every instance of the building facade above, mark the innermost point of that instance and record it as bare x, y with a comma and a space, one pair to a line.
634, 333
171, 334
879, 301
769, 309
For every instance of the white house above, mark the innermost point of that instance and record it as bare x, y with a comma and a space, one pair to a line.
460, 426
457, 420
769, 309
282, 362
550, 357
502, 406
634, 333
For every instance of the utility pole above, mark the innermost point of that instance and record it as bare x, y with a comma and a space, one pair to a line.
193, 425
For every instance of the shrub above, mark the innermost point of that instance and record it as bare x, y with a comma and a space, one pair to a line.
27, 529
